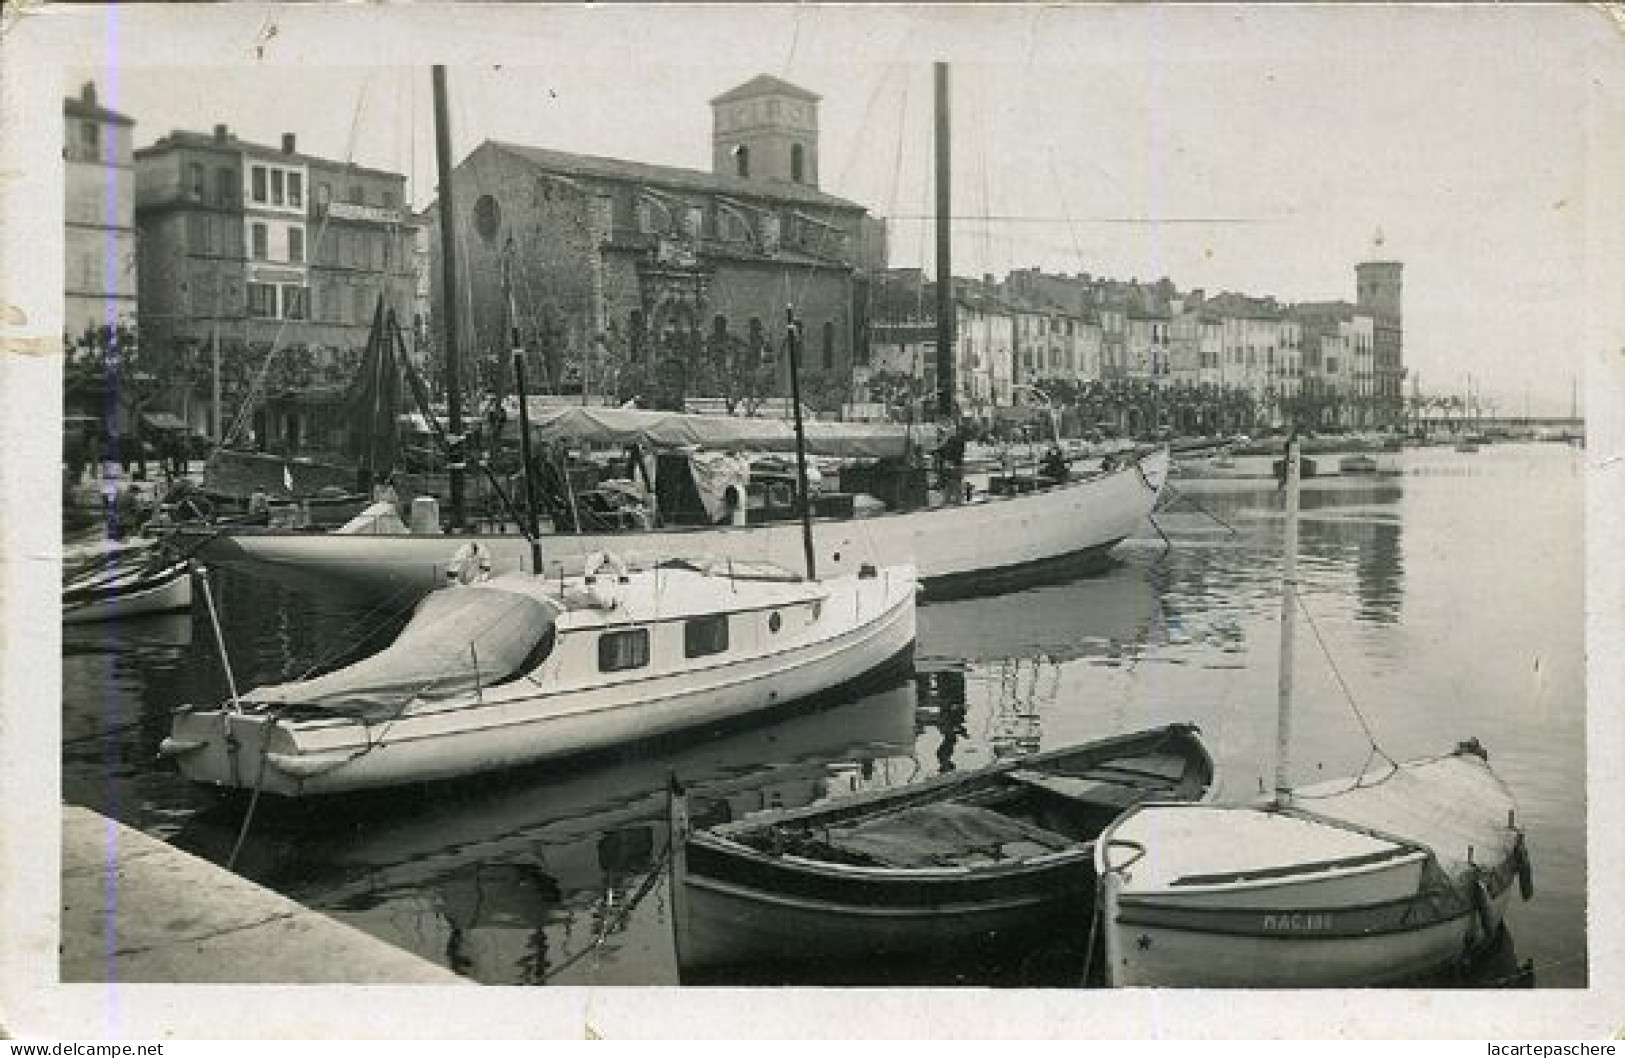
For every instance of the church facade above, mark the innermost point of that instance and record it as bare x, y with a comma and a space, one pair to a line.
622, 279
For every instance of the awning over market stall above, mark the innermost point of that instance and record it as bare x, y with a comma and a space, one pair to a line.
660, 429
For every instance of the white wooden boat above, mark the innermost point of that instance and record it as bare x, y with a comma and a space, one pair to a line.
125, 585
957, 549
1381, 879
517, 669
967, 866
1389, 879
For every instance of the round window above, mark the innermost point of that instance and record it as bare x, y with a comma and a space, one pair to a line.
774, 622
487, 217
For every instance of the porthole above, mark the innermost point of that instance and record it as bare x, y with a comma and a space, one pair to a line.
774, 622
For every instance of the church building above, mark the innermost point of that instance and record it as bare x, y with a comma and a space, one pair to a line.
623, 279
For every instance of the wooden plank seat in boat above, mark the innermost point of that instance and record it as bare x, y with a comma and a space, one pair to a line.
1102, 793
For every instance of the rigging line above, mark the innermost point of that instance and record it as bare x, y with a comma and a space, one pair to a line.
1038, 218
1066, 208
827, 234
313, 255
1338, 673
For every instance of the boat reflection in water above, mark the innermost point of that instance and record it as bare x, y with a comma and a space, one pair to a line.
507, 882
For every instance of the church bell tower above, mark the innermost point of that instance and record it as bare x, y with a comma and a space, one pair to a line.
766, 129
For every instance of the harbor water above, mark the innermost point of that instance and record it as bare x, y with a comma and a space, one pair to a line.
1442, 600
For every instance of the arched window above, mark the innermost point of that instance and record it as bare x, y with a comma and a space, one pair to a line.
797, 162
634, 333
719, 335
758, 344
829, 346
742, 161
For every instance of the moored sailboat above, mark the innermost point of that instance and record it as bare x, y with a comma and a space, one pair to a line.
1379, 879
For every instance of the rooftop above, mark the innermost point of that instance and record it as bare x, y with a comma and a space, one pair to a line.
183, 139
668, 176
84, 106
764, 84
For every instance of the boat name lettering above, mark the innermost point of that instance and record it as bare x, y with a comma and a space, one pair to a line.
1298, 922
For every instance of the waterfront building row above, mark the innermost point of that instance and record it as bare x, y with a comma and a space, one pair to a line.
1328, 364
625, 279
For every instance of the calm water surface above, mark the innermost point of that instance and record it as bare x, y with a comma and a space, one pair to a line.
1447, 592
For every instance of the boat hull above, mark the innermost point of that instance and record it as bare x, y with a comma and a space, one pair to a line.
1298, 944
958, 550
167, 591
756, 929
297, 759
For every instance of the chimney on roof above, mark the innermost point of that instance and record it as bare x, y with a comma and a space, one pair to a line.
220, 134
87, 93
287, 143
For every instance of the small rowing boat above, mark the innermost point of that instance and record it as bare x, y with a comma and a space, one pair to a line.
126, 584
970, 867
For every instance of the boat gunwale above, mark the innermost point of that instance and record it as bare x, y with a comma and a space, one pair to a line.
1195, 751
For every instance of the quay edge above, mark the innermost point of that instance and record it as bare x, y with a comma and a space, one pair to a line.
138, 911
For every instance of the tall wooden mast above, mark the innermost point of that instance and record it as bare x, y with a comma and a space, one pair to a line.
945, 274
448, 296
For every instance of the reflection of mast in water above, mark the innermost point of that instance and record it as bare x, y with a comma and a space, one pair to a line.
1025, 686
942, 705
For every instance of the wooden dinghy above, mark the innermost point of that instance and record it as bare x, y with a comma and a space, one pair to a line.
127, 585
976, 865
1381, 881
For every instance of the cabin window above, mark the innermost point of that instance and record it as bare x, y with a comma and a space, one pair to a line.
620, 651
705, 635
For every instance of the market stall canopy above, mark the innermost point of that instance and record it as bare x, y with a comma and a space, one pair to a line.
662, 429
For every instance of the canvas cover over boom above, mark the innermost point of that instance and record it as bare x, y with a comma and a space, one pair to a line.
460, 638
1454, 806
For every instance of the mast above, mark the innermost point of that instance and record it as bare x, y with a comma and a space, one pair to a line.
945, 270
448, 295
793, 339
1289, 602
524, 456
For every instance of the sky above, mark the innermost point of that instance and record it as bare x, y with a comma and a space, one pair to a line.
1257, 149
